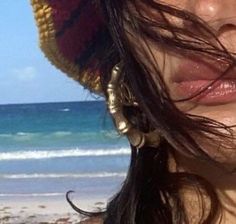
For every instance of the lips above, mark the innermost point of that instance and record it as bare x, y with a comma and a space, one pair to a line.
195, 80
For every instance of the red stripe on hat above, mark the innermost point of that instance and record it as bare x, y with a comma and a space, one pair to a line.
62, 9
76, 38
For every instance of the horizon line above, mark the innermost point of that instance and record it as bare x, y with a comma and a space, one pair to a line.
48, 102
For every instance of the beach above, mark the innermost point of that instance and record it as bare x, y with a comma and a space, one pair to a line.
44, 210
50, 148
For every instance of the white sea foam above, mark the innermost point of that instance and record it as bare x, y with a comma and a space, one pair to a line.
65, 110
33, 195
39, 135
27, 155
22, 133
61, 133
62, 175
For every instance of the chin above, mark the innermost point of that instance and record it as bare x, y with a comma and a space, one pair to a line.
220, 149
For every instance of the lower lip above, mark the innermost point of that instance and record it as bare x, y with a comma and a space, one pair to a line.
222, 91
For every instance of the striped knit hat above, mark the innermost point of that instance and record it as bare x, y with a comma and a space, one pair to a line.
73, 37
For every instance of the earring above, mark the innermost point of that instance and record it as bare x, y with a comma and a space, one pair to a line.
116, 101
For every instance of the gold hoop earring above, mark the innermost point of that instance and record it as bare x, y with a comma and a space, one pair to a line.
115, 106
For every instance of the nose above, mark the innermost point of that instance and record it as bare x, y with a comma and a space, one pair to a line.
217, 13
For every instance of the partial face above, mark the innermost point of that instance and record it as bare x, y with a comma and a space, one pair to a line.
186, 74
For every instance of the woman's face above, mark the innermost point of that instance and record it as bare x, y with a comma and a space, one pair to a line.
187, 74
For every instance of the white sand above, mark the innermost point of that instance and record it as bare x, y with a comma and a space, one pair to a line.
44, 210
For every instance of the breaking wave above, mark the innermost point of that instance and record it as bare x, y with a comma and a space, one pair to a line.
27, 155
62, 175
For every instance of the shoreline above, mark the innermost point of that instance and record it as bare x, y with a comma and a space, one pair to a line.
45, 210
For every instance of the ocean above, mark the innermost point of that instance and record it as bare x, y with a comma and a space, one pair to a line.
48, 149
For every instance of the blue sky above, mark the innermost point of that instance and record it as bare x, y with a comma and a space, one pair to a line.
25, 75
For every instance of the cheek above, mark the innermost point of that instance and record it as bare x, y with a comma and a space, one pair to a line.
166, 62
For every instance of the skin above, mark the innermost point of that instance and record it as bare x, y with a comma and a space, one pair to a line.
218, 14
221, 17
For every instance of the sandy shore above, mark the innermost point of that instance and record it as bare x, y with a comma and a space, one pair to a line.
44, 210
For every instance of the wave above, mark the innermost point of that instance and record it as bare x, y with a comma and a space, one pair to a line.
20, 135
37, 134
64, 110
62, 175
61, 133
34, 195
27, 155
111, 134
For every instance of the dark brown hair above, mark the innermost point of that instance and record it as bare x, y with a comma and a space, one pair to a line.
151, 192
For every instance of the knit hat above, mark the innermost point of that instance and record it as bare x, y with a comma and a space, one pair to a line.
73, 36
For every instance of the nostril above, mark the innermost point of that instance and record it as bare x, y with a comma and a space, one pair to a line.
226, 28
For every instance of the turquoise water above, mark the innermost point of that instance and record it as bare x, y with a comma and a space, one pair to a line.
47, 149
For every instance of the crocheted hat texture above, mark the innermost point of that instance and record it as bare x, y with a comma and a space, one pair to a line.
73, 37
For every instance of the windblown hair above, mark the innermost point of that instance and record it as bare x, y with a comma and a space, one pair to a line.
151, 191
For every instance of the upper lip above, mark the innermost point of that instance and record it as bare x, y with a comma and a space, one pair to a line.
198, 69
